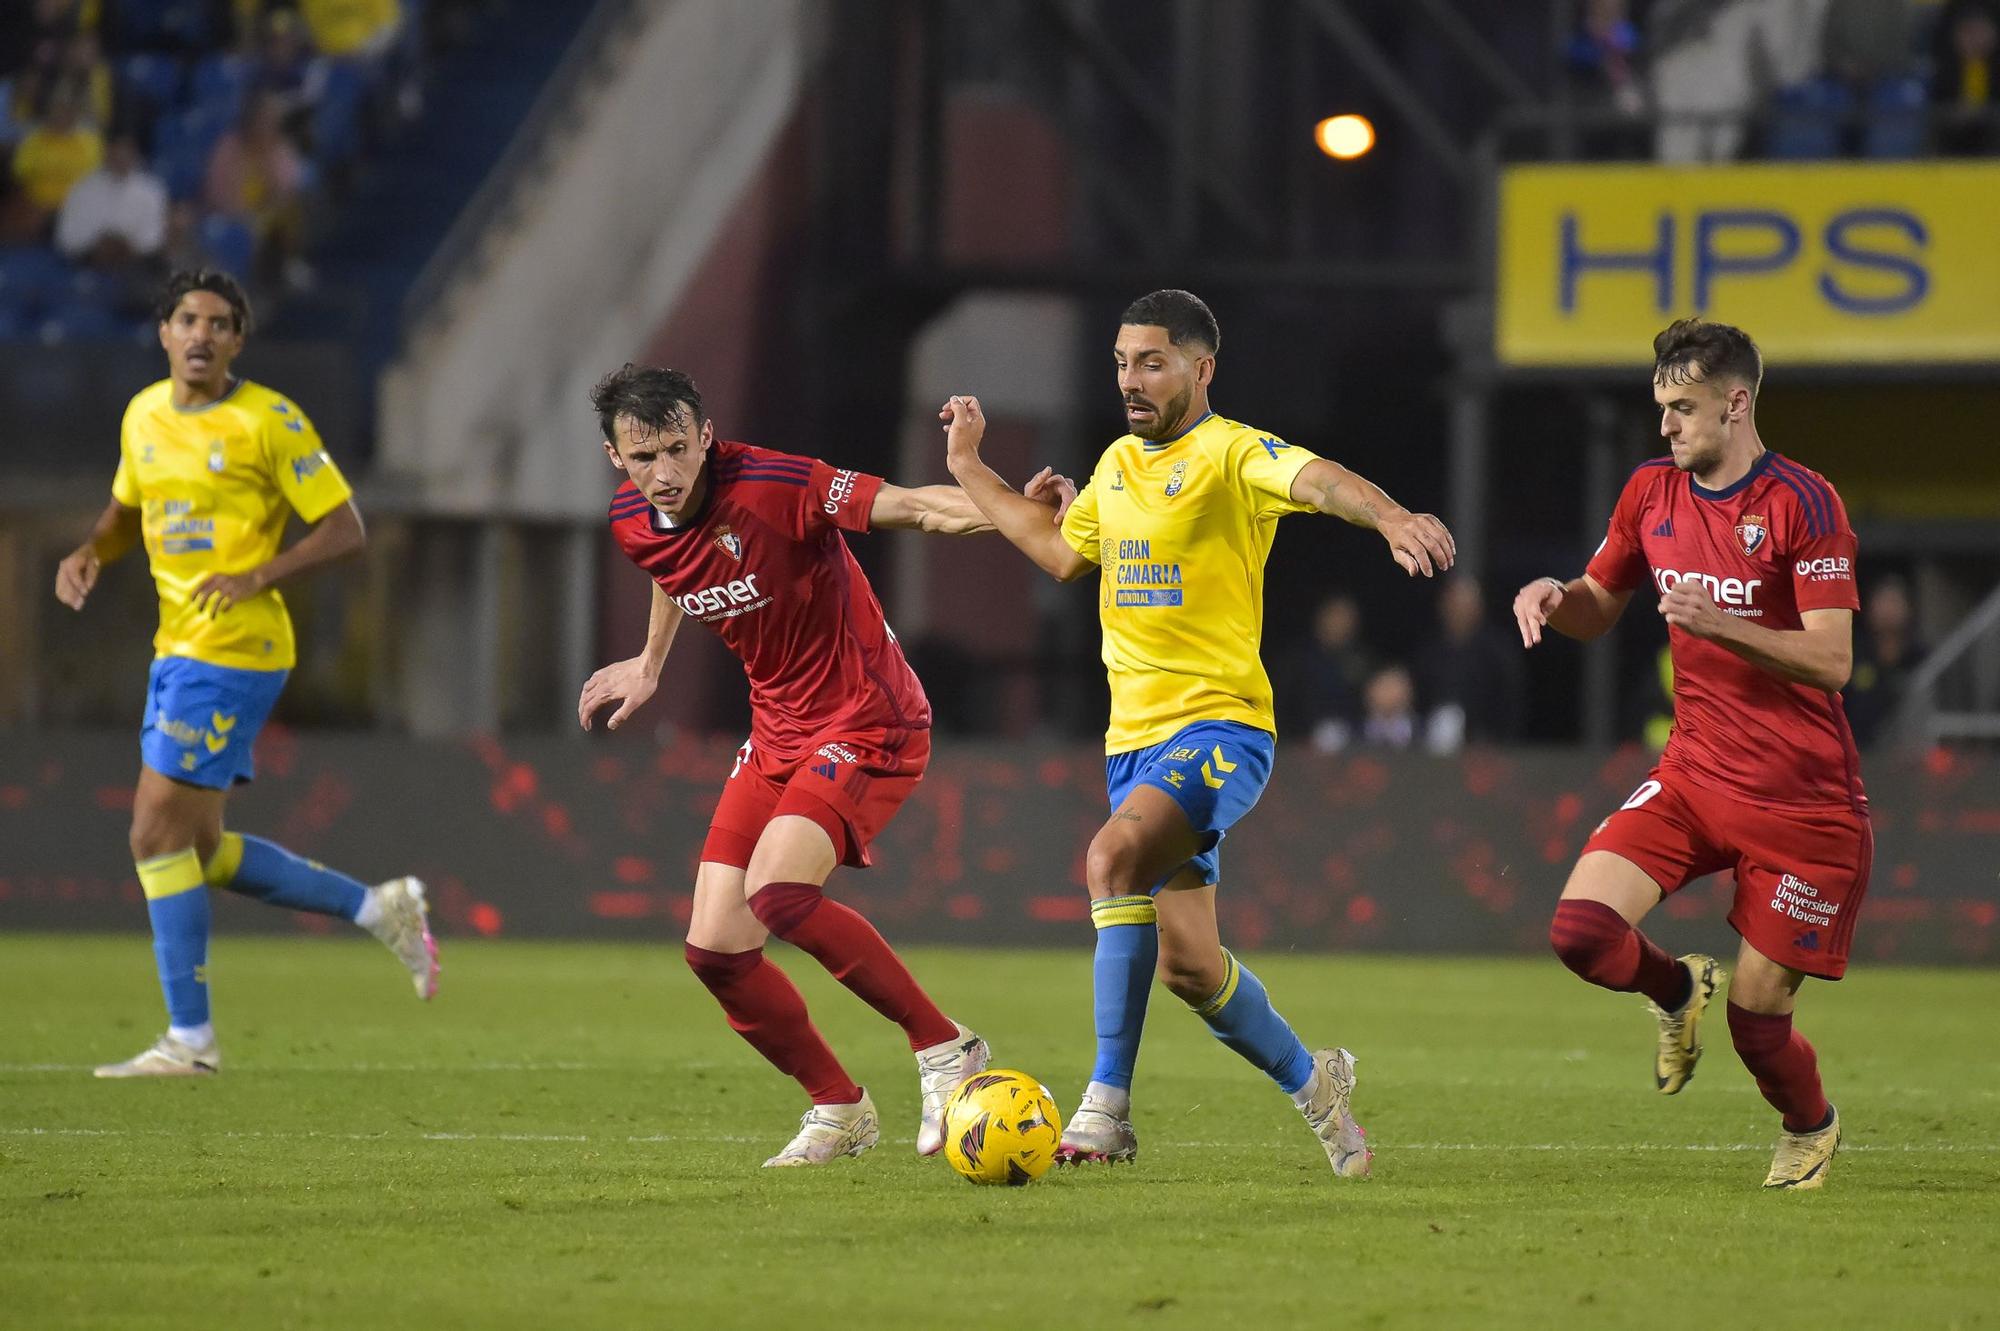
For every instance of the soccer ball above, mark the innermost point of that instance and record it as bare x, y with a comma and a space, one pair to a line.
1001, 1127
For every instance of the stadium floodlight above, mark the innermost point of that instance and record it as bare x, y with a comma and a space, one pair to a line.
1345, 137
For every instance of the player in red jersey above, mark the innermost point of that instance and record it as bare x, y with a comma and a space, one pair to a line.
1753, 560
748, 541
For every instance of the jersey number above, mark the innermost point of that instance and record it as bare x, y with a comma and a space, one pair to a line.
742, 756
1646, 791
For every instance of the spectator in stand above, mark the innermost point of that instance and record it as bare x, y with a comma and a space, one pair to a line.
353, 29
1390, 717
1965, 83
1468, 678
116, 217
1321, 693
1606, 75
81, 66
1886, 652
1604, 56
256, 175
289, 72
48, 163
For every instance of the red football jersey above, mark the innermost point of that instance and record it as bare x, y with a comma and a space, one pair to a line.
763, 564
1773, 545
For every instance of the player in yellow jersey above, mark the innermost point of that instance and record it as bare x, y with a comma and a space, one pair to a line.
209, 468
1178, 519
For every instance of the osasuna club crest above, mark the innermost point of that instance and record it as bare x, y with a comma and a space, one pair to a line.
732, 544
1751, 532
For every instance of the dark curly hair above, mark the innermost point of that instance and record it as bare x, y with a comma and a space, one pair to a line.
1691, 349
656, 398
212, 280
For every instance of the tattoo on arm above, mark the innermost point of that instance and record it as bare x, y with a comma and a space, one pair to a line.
1361, 511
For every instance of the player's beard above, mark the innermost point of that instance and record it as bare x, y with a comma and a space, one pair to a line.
1167, 419
1696, 459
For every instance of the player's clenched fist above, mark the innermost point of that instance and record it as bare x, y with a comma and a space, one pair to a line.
1688, 607
1533, 605
964, 427
75, 577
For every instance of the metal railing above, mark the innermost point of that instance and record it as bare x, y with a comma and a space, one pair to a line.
1955, 693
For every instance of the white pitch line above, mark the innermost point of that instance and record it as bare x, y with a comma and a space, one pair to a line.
673, 1138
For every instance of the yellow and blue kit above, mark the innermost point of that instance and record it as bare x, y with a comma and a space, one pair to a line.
214, 486
1180, 529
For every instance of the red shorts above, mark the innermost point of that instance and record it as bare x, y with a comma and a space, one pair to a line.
850, 784
1800, 873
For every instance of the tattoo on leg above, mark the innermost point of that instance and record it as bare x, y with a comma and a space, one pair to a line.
1126, 816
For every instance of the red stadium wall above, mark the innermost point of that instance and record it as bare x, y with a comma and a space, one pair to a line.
597, 839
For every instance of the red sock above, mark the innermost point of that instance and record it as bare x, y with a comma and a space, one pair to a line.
1599, 944
841, 940
1784, 1064
765, 1008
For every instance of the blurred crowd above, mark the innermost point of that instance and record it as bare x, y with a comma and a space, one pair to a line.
147, 135
1466, 683
1790, 78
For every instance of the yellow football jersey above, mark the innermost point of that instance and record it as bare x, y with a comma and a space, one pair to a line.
1180, 529
213, 486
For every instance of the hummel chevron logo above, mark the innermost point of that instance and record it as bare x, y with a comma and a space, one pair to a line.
1222, 765
1665, 528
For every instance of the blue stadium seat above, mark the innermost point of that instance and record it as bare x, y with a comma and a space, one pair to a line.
229, 243
181, 146
1898, 116
220, 83
79, 321
156, 79
1807, 120
159, 24
31, 279
337, 119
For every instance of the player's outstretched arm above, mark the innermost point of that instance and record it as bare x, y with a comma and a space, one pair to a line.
1819, 653
1581, 608
1417, 541
942, 510
115, 532
946, 510
1020, 518
630, 683
334, 537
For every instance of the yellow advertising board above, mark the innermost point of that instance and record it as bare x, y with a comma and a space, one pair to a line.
1822, 262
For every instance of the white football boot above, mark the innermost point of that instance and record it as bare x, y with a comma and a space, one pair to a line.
1100, 1129
940, 1069
402, 922
1329, 1113
168, 1058
827, 1132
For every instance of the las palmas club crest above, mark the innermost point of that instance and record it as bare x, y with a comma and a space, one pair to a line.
1751, 532
732, 544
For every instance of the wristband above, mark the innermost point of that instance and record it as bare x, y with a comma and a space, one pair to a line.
1558, 584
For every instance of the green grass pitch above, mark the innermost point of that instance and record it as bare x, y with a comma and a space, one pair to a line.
570, 1136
